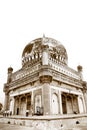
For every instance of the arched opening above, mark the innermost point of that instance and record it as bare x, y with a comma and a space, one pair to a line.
75, 104
55, 105
16, 106
11, 106
38, 104
81, 108
28, 102
64, 104
23, 106
69, 105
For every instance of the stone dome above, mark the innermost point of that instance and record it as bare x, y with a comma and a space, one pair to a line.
34, 49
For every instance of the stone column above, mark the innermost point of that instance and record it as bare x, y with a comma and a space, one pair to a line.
32, 103
84, 105
32, 98
6, 104
26, 101
85, 99
66, 104
13, 104
84, 84
19, 105
46, 98
60, 103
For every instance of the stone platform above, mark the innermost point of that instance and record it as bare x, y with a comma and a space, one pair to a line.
59, 122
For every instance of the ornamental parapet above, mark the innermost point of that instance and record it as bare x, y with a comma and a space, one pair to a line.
64, 69
23, 73
23, 81
66, 79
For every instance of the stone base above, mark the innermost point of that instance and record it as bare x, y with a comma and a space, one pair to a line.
47, 122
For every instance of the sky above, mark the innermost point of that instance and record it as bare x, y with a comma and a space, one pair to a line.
22, 21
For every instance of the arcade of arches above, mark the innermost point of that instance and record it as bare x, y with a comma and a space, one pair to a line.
23, 104
70, 104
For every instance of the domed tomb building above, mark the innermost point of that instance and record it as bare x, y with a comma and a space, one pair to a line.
45, 84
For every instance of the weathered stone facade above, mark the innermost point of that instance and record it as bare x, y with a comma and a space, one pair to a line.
45, 84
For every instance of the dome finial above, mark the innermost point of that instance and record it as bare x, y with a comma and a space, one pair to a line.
43, 38
43, 35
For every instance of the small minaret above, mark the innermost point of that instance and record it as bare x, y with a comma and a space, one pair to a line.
79, 68
45, 55
10, 70
6, 88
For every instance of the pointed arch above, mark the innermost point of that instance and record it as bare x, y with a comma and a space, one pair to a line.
55, 104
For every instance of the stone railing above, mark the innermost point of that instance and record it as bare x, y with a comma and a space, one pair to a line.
25, 72
64, 69
66, 79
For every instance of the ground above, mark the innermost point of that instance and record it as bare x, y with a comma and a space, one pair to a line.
73, 122
14, 127
17, 127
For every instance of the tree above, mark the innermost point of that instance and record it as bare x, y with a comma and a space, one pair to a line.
1, 106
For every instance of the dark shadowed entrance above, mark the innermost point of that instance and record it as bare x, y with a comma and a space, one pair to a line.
70, 104
64, 104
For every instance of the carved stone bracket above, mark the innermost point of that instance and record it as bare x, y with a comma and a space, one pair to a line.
45, 79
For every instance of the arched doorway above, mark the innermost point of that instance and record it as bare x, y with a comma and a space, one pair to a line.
38, 103
11, 106
81, 108
16, 105
23, 106
55, 105
28, 102
69, 105
75, 104
64, 104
